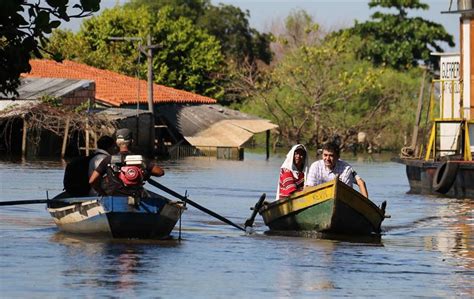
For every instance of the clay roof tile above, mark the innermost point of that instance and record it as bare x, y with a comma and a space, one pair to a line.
113, 88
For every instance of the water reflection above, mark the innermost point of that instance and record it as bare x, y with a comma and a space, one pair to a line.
369, 239
457, 240
112, 264
308, 267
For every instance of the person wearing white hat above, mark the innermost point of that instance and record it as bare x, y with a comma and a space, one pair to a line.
124, 174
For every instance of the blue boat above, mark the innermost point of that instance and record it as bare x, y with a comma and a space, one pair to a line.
116, 216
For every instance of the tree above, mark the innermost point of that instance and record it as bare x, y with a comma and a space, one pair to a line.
188, 57
398, 40
191, 9
240, 42
23, 29
229, 24
245, 49
320, 90
296, 30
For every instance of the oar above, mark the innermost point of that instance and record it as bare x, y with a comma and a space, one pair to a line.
194, 204
36, 201
256, 208
24, 202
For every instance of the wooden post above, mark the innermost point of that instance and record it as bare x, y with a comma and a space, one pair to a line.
414, 138
94, 136
268, 144
65, 138
23, 138
87, 137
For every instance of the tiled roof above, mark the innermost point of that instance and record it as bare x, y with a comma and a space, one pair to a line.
113, 88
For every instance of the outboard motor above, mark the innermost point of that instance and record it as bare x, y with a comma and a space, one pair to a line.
130, 171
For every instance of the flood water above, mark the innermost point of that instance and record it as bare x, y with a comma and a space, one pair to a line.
426, 250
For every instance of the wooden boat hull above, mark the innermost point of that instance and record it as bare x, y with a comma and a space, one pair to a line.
117, 216
421, 173
332, 207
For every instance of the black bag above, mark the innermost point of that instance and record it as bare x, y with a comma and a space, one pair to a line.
76, 176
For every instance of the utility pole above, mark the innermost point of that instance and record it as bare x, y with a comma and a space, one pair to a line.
149, 56
148, 52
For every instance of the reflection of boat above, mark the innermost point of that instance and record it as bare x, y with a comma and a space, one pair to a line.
332, 207
445, 164
117, 216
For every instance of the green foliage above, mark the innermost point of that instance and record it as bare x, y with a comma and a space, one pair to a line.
300, 30
51, 101
397, 40
23, 29
229, 24
242, 46
191, 9
320, 89
84, 106
187, 58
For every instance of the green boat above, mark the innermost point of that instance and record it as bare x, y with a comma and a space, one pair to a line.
332, 207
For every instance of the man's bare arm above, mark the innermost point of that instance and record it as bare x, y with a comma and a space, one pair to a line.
362, 187
94, 181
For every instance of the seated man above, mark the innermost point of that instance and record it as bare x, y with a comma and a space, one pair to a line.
325, 170
121, 177
105, 147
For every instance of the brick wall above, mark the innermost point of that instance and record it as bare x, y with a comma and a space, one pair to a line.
79, 96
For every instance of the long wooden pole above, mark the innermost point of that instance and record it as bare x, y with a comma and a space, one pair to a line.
268, 144
25, 202
87, 137
194, 204
23, 138
414, 139
66, 134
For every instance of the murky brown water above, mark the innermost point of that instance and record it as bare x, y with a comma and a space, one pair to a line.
427, 248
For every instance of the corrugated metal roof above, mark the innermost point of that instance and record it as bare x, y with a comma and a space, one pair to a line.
36, 88
253, 125
229, 133
192, 119
120, 113
214, 125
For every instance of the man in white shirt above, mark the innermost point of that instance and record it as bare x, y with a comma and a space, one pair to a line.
325, 170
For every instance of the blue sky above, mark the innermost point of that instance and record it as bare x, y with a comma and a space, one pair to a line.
331, 14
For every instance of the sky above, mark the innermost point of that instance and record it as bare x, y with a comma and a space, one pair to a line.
331, 14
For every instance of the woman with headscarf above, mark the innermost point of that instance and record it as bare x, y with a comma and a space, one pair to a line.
292, 171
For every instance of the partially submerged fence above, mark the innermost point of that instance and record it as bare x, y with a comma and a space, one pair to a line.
177, 152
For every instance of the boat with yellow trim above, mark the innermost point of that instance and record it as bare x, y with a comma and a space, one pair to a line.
332, 207
444, 165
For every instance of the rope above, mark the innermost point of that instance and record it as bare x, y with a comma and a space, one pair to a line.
407, 152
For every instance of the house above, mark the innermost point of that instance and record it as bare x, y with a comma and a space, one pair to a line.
172, 108
25, 112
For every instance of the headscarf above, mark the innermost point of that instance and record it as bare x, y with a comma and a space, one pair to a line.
288, 164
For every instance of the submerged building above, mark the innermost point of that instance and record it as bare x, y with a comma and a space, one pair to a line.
181, 123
